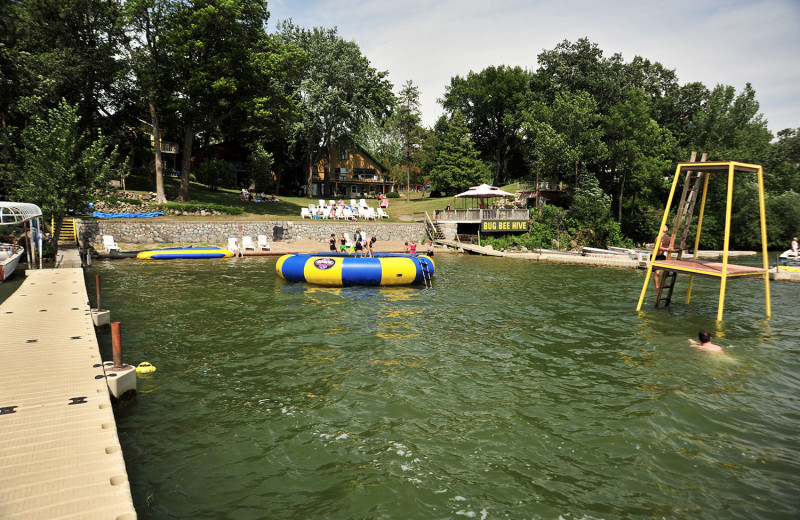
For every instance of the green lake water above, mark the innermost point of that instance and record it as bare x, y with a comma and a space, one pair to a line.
511, 389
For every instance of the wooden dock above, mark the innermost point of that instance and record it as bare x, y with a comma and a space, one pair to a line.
60, 456
545, 256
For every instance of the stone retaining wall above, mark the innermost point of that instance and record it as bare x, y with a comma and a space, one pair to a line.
148, 231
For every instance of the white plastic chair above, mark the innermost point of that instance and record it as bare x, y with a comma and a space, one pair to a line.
263, 244
322, 202
331, 202
362, 203
347, 214
371, 214
109, 244
247, 243
353, 202
382, 214
233, 246
305, 213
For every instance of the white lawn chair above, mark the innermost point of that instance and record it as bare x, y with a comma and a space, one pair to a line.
331, 202
263, 244
109, 244
339, 213
233, 246
347, 214
305, 213
362, 203
353, 202
371, 214
382, 214
247, 243
322, 202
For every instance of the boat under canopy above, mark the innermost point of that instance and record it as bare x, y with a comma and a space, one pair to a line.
29, 216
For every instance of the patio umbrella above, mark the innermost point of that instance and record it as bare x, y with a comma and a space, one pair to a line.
484, 191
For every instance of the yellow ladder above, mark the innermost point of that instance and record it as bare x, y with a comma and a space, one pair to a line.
67, 233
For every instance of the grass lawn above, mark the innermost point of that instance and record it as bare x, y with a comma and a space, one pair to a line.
288, 208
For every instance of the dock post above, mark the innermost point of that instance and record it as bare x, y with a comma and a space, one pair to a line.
116, 344
99, 316
121, 378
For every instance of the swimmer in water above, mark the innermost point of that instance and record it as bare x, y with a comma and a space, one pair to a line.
705, 343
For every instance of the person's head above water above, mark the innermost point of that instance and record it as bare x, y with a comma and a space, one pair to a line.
704, 336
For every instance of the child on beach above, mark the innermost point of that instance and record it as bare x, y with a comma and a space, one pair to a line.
332, 242
413, 247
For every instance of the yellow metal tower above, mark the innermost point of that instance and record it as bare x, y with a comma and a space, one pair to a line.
696, 173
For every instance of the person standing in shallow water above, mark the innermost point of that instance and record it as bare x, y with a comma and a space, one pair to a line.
705, 343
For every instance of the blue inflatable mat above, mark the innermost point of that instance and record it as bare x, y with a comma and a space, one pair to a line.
100, 214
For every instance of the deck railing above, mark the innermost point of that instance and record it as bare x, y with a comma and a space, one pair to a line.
477, 215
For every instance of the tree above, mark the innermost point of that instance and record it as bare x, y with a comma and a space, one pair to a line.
782, 170
489, 101
456, 164
729, 127
406, 125
223, 64
61, 168
144, 27
639, 149
339, 92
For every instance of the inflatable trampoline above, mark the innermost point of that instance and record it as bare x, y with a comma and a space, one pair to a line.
186, 252
340, 269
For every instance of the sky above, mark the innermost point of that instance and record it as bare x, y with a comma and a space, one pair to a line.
713, 41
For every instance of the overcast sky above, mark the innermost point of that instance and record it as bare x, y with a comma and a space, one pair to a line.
713, 41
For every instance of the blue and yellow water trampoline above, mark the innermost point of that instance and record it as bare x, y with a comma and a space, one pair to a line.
340, 269
186, 252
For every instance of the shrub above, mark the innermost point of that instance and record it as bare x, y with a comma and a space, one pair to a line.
192, 207
393, 195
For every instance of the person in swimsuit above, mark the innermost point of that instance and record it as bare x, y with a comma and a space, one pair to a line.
332, 242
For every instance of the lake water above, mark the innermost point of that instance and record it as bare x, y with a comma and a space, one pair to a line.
511, 389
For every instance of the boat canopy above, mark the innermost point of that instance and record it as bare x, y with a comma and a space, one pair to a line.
18, 212
22, 213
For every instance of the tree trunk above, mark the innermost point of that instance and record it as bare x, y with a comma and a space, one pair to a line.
498, 170
621, 191
186, 164
160, 195
310, 174
56, 232
576, 175
329, 175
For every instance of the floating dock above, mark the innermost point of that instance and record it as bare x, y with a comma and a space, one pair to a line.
60, 456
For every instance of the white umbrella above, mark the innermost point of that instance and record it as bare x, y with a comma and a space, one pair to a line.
484, 191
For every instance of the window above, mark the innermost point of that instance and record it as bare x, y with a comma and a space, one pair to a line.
344, 154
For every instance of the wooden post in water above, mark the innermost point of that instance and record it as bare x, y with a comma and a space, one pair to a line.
116, 344
97, 284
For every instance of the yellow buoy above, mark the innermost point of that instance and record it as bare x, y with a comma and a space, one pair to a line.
145, 368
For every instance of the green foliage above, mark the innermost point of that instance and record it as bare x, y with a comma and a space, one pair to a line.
456, 164
490, 101
192, 207
261, 175
216, 173
783, 219
393, 195
339, 90
61, 169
